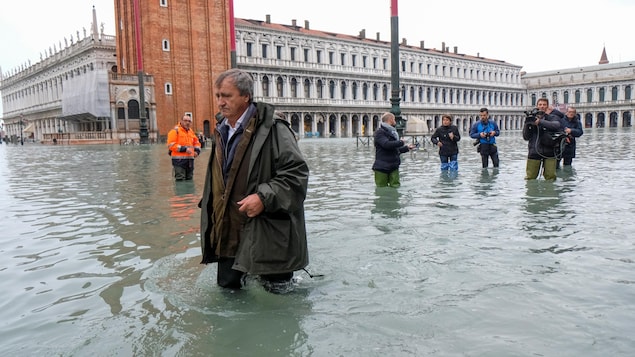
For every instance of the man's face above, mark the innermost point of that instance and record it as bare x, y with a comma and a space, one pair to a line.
542, 106
571, 114
186, 122
484, 116
230, 103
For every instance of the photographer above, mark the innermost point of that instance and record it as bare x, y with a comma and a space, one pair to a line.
446, 138
541, 127
485, 131
573, 129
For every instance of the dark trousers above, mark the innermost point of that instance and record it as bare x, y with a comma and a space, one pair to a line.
234, 279
487, 151
183, 169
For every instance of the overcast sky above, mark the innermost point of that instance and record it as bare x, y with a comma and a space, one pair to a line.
538, 35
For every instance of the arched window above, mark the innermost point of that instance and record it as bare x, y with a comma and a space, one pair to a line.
343, 89
412, 94
403, 93
265, 86
614, 93
279, 87
375, 92
577, 96
168, 88
133, 109
307, 88
319, 87
602, 94
384, 91
365, 91
354, 89
294, 88
420, 94
566, 97
166, 45
332, 90
589, 95
627, 92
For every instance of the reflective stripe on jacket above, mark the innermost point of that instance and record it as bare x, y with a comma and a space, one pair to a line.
179, 138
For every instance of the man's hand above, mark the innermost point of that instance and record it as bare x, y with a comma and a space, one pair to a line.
251, 205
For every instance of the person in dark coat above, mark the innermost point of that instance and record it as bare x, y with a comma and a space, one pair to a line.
252, 218
446, 138
573, 129
542, 149
388, 148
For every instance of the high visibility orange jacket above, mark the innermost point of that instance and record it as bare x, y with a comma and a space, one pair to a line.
179, 139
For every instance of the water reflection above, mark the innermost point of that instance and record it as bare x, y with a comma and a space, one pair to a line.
387, 202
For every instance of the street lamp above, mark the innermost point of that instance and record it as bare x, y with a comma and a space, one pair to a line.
394, 70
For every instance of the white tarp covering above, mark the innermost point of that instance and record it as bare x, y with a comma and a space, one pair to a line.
87, 93
416, 125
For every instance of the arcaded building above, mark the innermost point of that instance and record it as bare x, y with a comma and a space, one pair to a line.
337, 85
602, 94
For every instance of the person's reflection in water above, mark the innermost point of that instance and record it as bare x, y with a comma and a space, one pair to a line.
183, 203
387, 202
486, 181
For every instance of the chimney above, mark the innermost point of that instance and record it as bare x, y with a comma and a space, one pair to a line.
442, 46
404, 42
378, 37
362, 34
294, 23
268, 19
456, 50
306, 24
421, 45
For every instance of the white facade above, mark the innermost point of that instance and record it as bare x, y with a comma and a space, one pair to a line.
339, 84
602, 94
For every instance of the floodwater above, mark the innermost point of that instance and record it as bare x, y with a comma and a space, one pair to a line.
100, 257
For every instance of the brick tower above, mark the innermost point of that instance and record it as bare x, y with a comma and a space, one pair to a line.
185, 44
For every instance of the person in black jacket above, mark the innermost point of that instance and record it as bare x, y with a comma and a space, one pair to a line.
446, 138
542, 149
388, 148
573, 129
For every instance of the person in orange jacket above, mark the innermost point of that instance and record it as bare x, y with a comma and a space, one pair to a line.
184, 148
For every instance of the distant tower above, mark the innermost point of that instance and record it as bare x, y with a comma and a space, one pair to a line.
604, 59
184, 46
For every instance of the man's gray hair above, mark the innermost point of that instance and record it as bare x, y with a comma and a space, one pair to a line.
241, 79
386, 116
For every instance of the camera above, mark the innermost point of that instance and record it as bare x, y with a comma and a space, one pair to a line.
532, 115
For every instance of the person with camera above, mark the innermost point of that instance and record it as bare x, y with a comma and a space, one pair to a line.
388, 148
446, 138
542, 131
573, 129
485, 132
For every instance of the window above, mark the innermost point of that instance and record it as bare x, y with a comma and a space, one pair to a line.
332, 90
264, 50
133, 109
168, 88
602, 94
354, 60
577, 96
307, 88
375, 62
279, 52
265, 86
364, 61
343, 88
566, 97
354, 90
385, 63
279, 86
614, 93
163, 3
306, 55
365, 91
294, 88
293, 53
627, 92
319, 86
331, 57
165, 45
249, 49
342, 59
318, 56
403, 66
121, 113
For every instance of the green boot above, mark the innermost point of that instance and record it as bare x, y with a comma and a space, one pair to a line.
533, 169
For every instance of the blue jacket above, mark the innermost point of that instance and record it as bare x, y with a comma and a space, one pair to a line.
387, 151
479, 127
